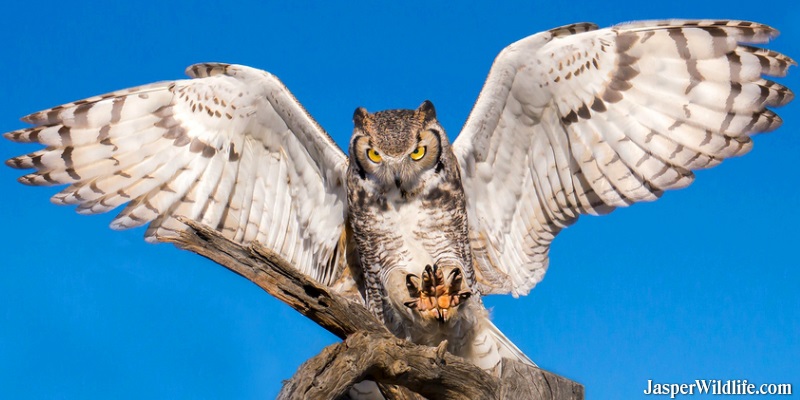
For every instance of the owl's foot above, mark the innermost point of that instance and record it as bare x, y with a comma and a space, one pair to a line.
440, 293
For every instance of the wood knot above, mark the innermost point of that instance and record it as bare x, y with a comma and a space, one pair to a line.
399, 367
312, 291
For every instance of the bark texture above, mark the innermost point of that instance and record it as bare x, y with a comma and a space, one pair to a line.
402, 369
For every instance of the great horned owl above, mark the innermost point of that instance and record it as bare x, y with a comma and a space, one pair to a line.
575, 120
408, 212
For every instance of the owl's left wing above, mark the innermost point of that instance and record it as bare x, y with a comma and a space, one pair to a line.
230, 148
580, 121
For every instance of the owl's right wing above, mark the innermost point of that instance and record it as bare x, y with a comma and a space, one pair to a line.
232, 149
577, 120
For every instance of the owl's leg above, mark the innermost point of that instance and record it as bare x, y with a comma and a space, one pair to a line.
440, 292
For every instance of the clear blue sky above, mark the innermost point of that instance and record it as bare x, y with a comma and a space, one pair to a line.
701, 284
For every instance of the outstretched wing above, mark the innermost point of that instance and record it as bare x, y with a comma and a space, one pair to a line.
581, 121
231, 148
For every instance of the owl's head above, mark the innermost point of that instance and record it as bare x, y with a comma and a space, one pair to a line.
398, 148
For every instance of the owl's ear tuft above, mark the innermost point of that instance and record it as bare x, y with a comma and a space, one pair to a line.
427, 111
360, 117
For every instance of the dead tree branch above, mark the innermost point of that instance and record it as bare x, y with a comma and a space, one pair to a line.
277, 277
368, 350
429, 371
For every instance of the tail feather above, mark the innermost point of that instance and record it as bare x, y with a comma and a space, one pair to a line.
506, 347
490, 346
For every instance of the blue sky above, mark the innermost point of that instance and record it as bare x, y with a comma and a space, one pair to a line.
701, 284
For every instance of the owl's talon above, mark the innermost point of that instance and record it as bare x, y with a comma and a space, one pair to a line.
438, 297
429, 279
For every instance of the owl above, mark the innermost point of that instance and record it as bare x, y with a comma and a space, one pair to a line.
572, 121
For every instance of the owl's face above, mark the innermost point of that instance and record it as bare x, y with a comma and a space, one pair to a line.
397, 149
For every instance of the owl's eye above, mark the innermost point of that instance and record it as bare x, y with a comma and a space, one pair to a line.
417, 154
373, 156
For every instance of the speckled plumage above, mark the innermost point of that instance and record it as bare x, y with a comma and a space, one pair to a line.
575, 120
408, 216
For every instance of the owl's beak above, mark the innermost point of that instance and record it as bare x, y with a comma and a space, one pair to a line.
397, 181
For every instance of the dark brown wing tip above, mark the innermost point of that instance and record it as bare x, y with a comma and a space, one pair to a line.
572, 29
33, 118
14, 163
204, 70
28, 180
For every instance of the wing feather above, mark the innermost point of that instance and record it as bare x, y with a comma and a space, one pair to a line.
231, 148
581, 121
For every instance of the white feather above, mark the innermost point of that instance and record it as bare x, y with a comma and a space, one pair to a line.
213, 149
583, 123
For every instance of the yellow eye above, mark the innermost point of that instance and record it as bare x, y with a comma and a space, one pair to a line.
373, 156
417, 154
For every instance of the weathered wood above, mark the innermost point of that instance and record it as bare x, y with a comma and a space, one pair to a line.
368, 351
277, 277
429, 371
521, 381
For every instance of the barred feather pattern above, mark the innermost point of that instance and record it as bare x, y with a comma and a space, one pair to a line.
578, 120
575, 120
231, 148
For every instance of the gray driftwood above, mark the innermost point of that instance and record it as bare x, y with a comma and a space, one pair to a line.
368, 351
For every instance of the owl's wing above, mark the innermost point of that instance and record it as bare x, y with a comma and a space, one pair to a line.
231, 148
581, 121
